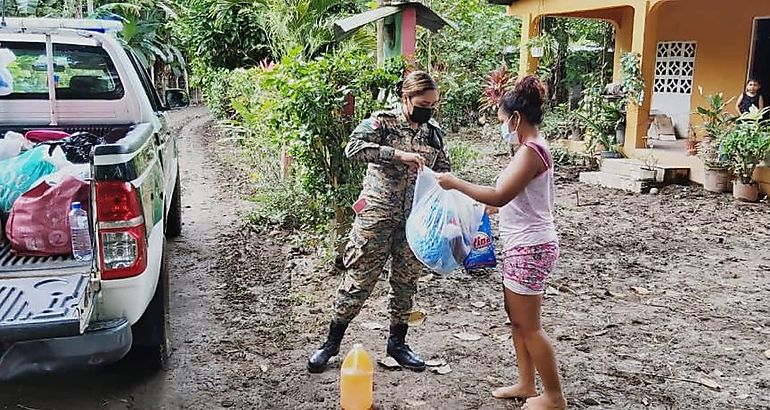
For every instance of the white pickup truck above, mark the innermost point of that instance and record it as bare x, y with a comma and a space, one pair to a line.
55, 312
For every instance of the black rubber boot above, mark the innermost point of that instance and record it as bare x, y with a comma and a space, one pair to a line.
399, 350
331, 347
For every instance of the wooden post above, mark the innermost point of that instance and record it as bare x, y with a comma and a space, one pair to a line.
380, 37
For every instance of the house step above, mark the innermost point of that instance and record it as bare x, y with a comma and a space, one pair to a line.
614, 181
632, 169
636, 169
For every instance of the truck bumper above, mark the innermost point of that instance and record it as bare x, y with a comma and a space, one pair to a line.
102, 343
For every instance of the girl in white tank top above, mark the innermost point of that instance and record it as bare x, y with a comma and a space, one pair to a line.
524, 194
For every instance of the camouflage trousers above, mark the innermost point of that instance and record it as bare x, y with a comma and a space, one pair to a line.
374, 238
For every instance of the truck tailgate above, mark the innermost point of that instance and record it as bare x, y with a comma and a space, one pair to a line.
44, 306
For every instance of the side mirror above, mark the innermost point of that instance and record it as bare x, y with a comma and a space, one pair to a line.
176, 98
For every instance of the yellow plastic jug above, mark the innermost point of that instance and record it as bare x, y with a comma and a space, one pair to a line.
357, 380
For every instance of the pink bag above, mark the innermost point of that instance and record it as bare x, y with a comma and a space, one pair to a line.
37, 136
38, 224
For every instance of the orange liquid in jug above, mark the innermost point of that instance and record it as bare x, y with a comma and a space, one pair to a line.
357, 380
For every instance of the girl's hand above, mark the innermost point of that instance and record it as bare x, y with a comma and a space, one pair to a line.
491, 210
447, 181
410, 159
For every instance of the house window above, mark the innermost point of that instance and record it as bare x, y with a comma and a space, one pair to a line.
675, 67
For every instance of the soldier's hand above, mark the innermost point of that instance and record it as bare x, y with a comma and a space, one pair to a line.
410, 159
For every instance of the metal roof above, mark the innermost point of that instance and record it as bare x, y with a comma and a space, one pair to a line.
425, 18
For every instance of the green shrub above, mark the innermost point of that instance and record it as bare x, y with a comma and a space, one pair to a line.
462, 155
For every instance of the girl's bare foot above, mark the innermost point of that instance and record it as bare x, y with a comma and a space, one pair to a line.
546, 402
517, 391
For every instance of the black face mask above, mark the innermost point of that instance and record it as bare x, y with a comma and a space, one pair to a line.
421, 115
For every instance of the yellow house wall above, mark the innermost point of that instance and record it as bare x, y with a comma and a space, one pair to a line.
723, 32
722, 29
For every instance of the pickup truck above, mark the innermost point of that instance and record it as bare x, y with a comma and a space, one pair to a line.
58, 313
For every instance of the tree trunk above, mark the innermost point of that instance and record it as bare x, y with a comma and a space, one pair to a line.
380, 37
286, 161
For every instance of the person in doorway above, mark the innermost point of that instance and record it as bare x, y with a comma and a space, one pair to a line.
750, 97
525, 196
396, 145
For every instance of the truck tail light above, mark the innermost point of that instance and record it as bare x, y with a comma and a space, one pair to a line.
122, 240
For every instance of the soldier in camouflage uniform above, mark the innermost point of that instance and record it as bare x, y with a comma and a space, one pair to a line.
396, 145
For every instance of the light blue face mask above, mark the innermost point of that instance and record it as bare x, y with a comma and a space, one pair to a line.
508, 136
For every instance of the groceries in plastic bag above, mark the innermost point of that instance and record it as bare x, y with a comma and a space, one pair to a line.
482, 253
442, 224
19, 174
6, 78
77, 147
12, 145
39, 221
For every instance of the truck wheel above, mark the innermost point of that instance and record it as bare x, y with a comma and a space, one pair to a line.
150, 346
174, 218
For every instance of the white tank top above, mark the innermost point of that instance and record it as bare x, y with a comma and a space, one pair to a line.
528, 219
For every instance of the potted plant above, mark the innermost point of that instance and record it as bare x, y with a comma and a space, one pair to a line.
747, 144
541, 46
717, 176
603, 120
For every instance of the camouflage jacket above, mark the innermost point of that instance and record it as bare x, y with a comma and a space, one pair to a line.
389, 184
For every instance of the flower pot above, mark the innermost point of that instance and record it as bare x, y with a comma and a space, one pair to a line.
620, 135
717, 180
536, 52
745, 192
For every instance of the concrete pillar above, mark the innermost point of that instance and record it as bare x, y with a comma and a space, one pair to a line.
644, 43
624, 34
530, 28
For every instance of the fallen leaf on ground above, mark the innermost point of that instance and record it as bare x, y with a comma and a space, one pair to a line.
263, 367
445, 369
640, 290
552, 291
372, 326
599, 333
468, 337
417, 317
478, 305
615, 294
709, 383
767, 353
435, 363
389, 363
426, 278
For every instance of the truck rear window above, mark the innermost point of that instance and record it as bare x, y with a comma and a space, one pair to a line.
80, 72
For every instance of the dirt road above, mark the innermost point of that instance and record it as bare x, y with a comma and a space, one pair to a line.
194, 378
658, 302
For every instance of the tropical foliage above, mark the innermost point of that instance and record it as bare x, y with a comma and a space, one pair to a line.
747, 143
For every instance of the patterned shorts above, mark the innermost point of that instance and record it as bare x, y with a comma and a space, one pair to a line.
526, 268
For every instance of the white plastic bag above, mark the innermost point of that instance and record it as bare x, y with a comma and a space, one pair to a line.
13, 144
442, 224
6, 79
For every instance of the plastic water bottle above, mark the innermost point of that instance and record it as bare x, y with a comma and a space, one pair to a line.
81, 236
357, 380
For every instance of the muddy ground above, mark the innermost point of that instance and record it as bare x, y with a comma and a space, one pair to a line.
658, 302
